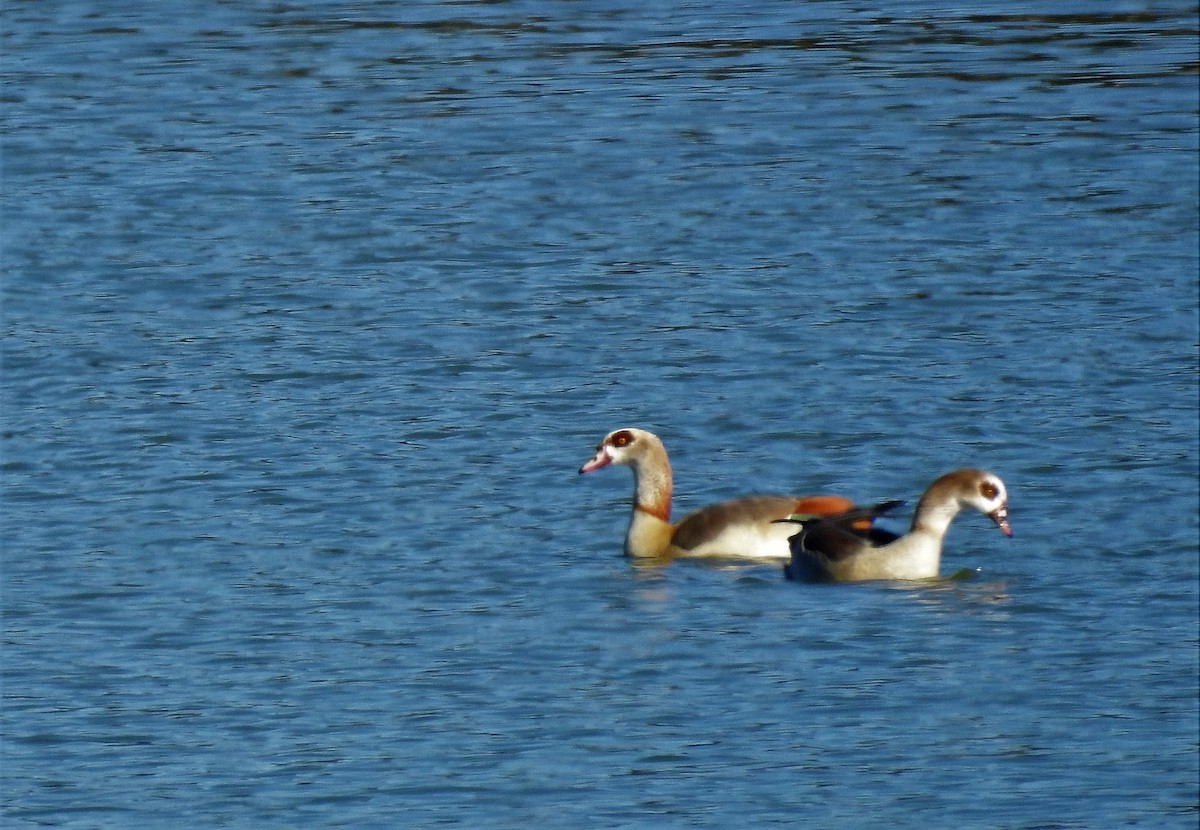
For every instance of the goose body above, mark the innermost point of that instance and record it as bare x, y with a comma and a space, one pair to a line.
740, 528
835, 549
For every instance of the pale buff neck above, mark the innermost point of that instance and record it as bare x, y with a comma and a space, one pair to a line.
652, 482
936, 509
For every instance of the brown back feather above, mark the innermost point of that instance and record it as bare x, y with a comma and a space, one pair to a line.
707, 523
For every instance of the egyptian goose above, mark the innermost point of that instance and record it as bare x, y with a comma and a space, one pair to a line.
741, 528
834, 549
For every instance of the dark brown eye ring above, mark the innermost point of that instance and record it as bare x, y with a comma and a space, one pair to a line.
989, 490
623, 438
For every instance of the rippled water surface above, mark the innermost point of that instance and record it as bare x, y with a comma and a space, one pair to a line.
311, 312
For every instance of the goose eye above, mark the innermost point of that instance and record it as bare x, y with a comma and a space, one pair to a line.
988, 490
622, 439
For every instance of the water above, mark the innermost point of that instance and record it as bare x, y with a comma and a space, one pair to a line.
311, 313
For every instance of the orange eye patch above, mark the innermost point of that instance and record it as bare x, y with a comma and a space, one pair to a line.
622, 439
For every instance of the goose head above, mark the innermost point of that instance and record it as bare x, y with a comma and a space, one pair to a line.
981, 490
623, 446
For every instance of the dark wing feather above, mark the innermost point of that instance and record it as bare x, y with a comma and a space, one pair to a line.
834, 538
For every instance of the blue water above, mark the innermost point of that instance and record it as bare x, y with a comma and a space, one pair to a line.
311, 312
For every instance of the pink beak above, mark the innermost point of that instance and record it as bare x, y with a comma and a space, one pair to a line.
1000, 517
601, 459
